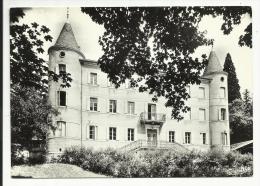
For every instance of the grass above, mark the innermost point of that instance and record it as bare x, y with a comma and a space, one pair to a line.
54, 170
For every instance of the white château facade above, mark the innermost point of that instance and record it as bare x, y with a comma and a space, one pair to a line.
95, 114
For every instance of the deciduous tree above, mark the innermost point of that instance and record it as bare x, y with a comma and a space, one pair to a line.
156, 45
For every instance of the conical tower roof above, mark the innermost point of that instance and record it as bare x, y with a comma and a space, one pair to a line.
67, 41
213, 64
67, 38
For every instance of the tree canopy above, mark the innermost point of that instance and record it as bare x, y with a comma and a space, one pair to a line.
156, 43
233, 82
241, 119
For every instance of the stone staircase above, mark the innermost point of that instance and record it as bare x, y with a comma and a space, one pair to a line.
147, 145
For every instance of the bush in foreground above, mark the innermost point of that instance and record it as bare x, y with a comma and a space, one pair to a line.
160, 163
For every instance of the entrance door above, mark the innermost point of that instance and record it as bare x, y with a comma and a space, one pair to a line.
152, 137
151, 112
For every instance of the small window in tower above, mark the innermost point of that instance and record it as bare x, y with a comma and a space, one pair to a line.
222, 79
62, 68
202, 114
62, 54
222, 114
222, 92
201, 92
62, 98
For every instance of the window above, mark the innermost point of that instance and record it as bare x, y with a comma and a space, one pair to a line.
171, 136
203, 138
222, 92
61, 98
93, 78
112, 133
202, 114
93, 104
131, 107
61, 129
92, 132
62, 68
62, 54
112, 106
224, 138
201, 92
222, 114
130, 134
187, 137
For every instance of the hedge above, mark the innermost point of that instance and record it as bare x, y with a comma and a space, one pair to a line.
160, 163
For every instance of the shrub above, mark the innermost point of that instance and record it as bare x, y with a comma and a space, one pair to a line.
160, 163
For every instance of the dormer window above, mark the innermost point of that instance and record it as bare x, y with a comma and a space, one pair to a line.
62, 54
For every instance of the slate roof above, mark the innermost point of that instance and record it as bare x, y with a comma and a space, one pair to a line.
213, 64
67, 41
67, 38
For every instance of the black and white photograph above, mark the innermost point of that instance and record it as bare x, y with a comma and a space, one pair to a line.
131, 92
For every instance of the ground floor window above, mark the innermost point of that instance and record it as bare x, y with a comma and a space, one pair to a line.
187, 137
112, 133
203, 138
130, 134
92, 133
61, 129
171, 136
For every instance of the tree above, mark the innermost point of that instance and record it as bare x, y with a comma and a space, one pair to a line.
30, 118
248, 103
233, 83
241, 119
156, 45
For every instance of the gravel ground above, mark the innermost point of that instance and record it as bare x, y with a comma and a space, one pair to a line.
56, 170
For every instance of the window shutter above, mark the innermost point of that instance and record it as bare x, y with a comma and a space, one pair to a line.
88, 103
98, 105
219, 114
87, 133
96, 132
56, 69
126, 106
88, 74
58, 98
108, 105
118, 106
107, 133
67, 98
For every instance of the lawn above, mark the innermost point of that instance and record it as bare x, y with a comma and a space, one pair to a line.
56, 170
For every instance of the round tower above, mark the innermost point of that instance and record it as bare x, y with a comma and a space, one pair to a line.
218, 103
64, 57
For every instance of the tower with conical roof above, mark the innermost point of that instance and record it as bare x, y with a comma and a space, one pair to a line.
218, 103
64, 56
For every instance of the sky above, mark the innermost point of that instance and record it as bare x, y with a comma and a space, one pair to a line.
87, 34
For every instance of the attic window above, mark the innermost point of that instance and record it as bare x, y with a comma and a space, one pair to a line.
222, 79
62, 54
